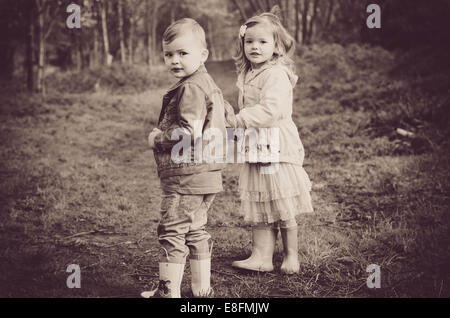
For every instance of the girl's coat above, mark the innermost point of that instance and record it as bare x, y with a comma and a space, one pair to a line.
265, 101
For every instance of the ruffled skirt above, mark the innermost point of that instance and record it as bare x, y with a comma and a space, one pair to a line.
274, 193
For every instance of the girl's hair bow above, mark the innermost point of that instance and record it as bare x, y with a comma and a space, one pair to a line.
242, 30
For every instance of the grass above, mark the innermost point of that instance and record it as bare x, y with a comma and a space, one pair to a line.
79, 186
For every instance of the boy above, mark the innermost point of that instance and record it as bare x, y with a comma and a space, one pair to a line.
194, 104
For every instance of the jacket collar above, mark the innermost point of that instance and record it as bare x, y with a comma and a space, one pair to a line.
201, 69
251, 74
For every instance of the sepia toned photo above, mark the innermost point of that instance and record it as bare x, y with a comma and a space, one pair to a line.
225, 149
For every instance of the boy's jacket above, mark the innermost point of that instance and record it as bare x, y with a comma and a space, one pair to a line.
194, 102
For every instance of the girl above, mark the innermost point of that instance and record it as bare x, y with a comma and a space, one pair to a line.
272, 195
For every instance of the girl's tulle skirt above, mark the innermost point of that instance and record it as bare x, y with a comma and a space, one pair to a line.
271, 193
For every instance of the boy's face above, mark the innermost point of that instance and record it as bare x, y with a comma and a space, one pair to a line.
184, 55
259, 44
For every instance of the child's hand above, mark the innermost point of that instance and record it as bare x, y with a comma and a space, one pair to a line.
151, 137
230, 117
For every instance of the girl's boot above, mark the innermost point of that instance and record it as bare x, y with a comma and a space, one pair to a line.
170, 276
290, 263
263, 246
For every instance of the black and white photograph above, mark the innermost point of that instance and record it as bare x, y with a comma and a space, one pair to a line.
228, 149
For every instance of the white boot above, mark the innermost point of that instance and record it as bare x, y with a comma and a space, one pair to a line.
201, 277
170, 276
290, 263
263, 246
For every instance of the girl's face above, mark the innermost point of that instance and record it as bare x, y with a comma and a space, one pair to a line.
259, 44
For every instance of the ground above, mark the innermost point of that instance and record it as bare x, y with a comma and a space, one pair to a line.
79, 186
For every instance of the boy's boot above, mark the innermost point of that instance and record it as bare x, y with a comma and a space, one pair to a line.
170, 276
290, 263
201, 277
263, 246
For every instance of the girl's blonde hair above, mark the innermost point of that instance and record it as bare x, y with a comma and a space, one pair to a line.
284, 43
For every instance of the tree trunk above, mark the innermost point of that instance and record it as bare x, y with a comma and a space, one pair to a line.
41, 47
173, 7
329, 14
241, 9
153, 33
305, 21
311, 21
210, 35
254, 6
131, 41
95, 60
30, 48
108, 56
121, 36
297, 20
7, 60
262, 6
284, 5
147, 48
77, 52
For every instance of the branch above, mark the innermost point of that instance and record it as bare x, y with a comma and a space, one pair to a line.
253, 5
262, 6
40, 6
241, 9
52, 23
329, 13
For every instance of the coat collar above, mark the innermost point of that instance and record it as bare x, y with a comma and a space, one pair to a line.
251, 74
201, 69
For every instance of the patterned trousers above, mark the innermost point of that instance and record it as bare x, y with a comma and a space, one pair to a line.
181, 230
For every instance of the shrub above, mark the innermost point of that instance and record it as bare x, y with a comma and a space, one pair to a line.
117, 79
393, 94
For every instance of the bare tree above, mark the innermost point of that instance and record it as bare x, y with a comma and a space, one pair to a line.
305, 10
312, 20
134, 14
211, 40
147, 39
44, 9
329, 13
156, 4
30, 49
121, 35
107, 54
96, 50
297, 20
238, 4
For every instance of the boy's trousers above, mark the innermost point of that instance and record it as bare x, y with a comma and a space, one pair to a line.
181, 230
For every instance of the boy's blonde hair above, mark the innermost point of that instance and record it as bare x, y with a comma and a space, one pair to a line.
284, 43
184, 26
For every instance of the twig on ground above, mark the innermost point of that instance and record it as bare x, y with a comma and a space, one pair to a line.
138, 274
88, 266
231, 274
355, 290
138, 242
404, 133
226, 273
92, 232
79, 234
120, 243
